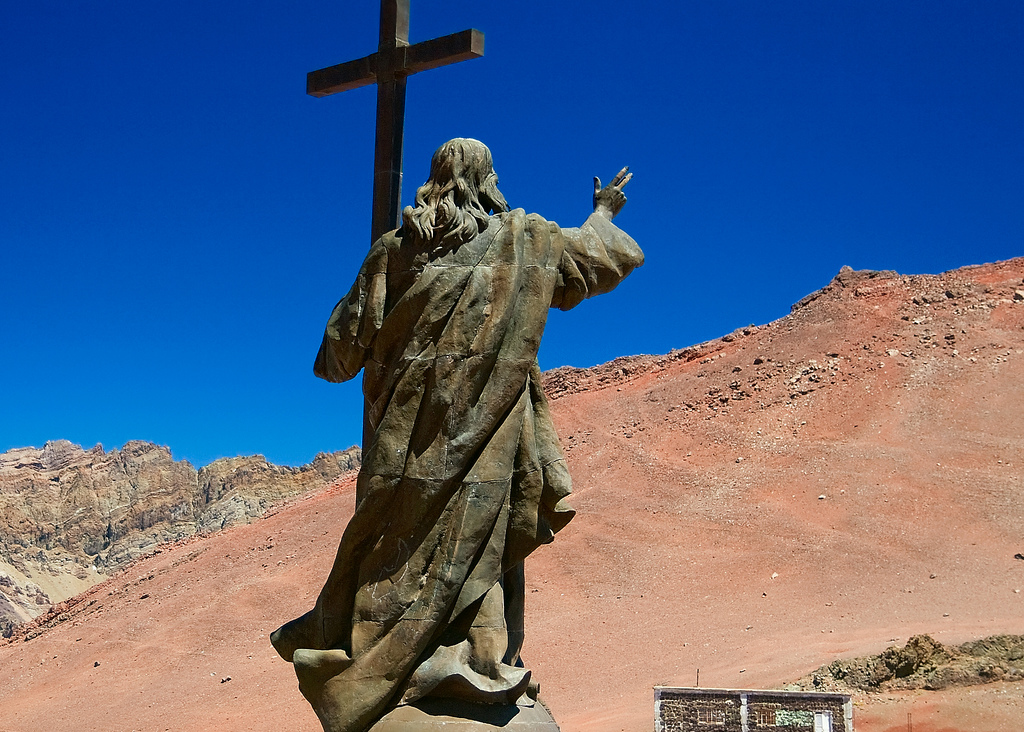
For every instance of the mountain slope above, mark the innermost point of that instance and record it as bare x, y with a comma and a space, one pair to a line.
755, 507
900, 400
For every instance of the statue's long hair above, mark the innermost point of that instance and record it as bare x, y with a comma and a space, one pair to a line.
455, 203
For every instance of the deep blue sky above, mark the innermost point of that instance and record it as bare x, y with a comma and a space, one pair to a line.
177, 217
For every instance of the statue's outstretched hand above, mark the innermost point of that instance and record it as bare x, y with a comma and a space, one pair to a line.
608, 201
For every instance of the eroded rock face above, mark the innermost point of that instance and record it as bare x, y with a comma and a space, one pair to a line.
236, 490
70, 516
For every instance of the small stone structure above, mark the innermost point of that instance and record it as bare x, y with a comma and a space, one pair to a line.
746, 710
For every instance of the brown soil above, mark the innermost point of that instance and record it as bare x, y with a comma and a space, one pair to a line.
821, 487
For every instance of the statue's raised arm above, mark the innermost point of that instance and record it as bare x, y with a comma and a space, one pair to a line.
597, 256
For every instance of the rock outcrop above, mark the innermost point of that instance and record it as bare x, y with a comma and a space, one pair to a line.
924, 663
70, 516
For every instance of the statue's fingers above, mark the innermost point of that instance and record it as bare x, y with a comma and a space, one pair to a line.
626, 180
617, 180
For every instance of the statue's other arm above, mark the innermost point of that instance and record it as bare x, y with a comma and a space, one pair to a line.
598, 255
354, 323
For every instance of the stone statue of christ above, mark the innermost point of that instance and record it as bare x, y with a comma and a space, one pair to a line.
462, 474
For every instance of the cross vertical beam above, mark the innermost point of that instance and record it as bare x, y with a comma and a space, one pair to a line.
387, 155
394, 61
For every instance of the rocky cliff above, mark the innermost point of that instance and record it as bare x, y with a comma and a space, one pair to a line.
70, 516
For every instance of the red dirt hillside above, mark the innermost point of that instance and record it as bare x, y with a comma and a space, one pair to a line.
824, 486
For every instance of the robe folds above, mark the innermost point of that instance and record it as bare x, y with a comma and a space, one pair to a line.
462, 474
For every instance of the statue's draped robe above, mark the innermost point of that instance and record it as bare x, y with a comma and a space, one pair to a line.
462, 474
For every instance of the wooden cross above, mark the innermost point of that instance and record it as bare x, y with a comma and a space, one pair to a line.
394, 61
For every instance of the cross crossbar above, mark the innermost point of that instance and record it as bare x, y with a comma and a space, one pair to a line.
400, 61
394, 61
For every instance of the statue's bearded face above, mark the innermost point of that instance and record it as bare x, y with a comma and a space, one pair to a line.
490, 197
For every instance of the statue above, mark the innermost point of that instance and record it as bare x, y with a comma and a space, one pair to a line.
462, 474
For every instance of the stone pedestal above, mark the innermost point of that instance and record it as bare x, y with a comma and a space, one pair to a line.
451, 715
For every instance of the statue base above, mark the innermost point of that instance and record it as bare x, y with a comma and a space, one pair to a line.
452, 715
